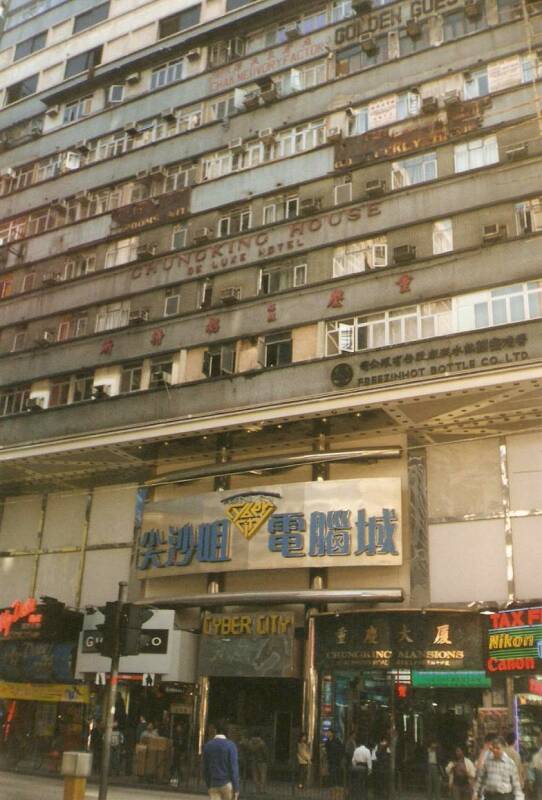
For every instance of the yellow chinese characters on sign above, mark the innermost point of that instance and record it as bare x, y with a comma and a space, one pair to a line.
45, 692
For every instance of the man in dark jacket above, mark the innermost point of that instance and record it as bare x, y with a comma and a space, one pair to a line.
221, 767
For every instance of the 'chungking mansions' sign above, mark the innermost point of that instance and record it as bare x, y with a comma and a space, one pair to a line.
324, 524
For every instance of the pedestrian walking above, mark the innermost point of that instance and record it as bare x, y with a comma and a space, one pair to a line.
461, 773
498, 777
259, 758
489, 738
434, 770
381, 769
512, 753
221, 766
177, 744
335, 764
360, 770
303, 756
96, 745
536, 772
117, 745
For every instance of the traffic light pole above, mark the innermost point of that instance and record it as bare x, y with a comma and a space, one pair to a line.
109, 710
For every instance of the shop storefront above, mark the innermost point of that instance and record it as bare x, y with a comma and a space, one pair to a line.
417, 674
43, 708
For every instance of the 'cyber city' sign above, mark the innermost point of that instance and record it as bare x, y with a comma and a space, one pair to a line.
324, 524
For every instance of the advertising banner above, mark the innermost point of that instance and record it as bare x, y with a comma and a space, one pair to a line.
45, 693
37, 661
514, 644
317, 524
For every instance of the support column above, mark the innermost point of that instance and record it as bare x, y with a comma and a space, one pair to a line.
310, 692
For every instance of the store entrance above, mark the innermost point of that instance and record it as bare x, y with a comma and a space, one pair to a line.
265, 707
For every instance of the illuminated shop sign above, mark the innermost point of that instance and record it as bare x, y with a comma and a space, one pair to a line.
410, 640
46, 620
515, 641
329, 523
258, 644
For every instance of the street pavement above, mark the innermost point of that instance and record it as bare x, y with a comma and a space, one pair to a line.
26, 787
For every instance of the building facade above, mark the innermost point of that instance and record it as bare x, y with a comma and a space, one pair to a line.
271, 313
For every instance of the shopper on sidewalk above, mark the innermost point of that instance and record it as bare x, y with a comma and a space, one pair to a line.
434, 770
221, 766
461, 772
259, 758
361, 769
498, 777
303, 756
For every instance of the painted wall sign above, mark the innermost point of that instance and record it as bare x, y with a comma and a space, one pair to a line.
155, 210
281, 240
257, 645
515, 641
458, 354
435, 641
389, 18
46, 693
330, 523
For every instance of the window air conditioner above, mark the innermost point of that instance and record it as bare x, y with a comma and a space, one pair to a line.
47, 337
375, 188
310, 205
334, 135
362, 6
131, 128
83, 197
473, 9
270, 93
230, 295
58, 205
51, 278
267, 135
236, 145
517, 151
493, 233
100, 392
53, 111
413, 28
168, 114
252, 100
429, 105
138, 316
34, 404
7, 172
292, 31
157, 172
368, 43
452, 98
145, 251
83, 147
194, 55
404, 254
203, 235
160, 376
133, 77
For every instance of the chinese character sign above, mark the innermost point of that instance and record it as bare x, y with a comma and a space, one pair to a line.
330, 523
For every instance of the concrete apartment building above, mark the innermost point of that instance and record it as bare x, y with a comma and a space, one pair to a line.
271, 313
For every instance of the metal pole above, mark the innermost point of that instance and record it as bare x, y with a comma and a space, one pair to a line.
109, 710
393, 740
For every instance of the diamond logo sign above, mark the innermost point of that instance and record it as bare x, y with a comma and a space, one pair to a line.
249, 511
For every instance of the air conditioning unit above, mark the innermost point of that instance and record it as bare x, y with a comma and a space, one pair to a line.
310, 205
194, 55
83, 197
516, 151
473, 9
236, 145
7, 172
292, 31
202, 235
494, 233
404, 254
413, 28
267, 135
251, 100
36, 130
51, 278
429, 105
46, 338
361, 6
271, 93
53, 111
160, 376
368, 43
145, 251
158, 172
100, 392
230, 295
452, 98
375, 188
131, 128
168, 114
144, 176
83, 147
58, 205
138, 316
34, 404
133, 77
334, 135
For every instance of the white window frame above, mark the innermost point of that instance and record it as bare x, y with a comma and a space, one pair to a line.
443, 236
170, 72
77, 109
180, 231
172, 301
476, 153
400, 176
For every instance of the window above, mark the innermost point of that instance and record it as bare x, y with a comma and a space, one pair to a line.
458, 24
179, 176
529, 216
114, 145
343, 192
301, 138
509, 10
91, 17
161, 371
352, 59
83, 61
72, 327
172, 301
178, 237
130, 380
476, 153
82, 387
360, 257
236, 222
225, 51
114, 315
231, 5
78, 266
313, 22
277, 349
476, 84
285, 208
115, 93
279, 279
499, 306
358, 122
413, 44
414, 170
179, 22
6, 285
295, 80
60, 392
341, 9
219, 360
30, 45
121, 252
167, 73
21, 89
78, 109
223, 107
13, 401
205, 294
443, 236
29, 282
19, 341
